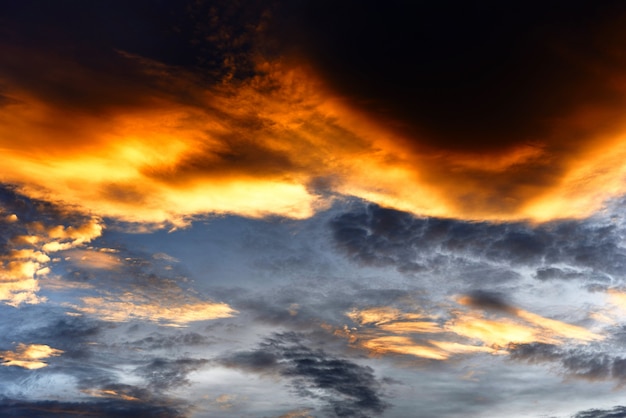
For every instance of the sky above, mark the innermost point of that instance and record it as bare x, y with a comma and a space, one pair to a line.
312, 208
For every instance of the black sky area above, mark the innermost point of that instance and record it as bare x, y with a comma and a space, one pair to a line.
452, 75
482, 75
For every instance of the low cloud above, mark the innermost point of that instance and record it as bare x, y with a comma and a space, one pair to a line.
348, 389
615, 412
97, 407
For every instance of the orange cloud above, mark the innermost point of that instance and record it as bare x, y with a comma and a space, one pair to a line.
171, 313
108, 393
403, 345
275, 144
386, 330
93, 259
29, 356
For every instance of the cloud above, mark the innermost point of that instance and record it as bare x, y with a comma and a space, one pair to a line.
490, 326
348, 388
108, 407
570, 250
29, 356
28, 241
163, 374
589, 363
160, 136
128, 307
615, 412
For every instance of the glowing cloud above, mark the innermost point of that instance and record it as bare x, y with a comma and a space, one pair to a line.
275, 144
29, 356
386, 330
23, 266
128, 307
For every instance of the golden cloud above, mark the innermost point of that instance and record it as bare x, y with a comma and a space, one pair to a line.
386, 329
277, 144
170, 313
29, 356
108, 393
23, 266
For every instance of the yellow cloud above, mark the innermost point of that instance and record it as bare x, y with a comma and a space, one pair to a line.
93, 259
388, 330
21, 268
403, 345
260, 147
166, 312
29, 356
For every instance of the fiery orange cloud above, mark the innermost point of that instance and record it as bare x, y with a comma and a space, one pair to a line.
29, 356
175, 313
277, 144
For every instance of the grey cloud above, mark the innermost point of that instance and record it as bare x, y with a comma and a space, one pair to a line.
96, 407
580, 362
158, 341
378, 236
162, 374
489, 300
616, 412
350, 390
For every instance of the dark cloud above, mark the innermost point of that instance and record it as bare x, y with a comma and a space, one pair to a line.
462, 76
159, 341
381, 237
616, 412
96, 407
581, 362
162, 374
349, 389
483, 299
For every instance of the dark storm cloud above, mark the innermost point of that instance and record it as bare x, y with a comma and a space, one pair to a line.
349, 389
97, 408
378, 236
615, 412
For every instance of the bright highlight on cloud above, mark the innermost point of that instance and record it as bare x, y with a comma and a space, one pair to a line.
28, 259
384, 330
277, 144
29, 356
129, 307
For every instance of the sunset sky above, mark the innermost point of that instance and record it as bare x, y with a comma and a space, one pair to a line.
312, 208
